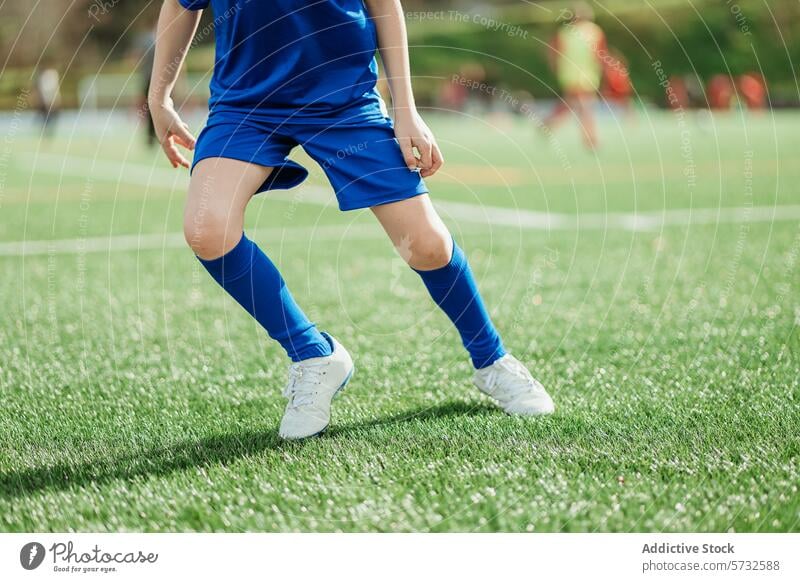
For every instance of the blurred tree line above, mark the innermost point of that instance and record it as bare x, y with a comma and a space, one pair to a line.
507, 38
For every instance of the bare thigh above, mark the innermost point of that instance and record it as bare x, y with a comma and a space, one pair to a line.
417, 232
219, 191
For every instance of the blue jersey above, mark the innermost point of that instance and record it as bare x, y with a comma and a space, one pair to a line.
291, 60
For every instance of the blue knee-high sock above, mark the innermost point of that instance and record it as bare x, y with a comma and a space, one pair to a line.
253, 280
453, 288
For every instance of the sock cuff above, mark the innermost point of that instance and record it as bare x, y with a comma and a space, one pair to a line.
458, 262
232, 264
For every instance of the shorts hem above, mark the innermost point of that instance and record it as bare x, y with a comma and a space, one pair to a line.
294, 177
396, 196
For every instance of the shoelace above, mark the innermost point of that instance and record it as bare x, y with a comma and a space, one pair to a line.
303, 382
517, 369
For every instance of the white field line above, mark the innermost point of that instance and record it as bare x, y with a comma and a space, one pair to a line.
150, 176
533, 220
173, 240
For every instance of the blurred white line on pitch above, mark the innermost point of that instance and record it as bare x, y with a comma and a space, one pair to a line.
151, 176
134, 242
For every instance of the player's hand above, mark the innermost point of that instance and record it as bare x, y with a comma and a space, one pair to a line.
419, 147
171, 132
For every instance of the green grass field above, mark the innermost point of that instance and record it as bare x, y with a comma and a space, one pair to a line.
136, 396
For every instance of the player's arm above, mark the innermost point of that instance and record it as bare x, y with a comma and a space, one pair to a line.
409, 128
176, 28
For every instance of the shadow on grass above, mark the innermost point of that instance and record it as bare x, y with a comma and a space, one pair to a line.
203, 452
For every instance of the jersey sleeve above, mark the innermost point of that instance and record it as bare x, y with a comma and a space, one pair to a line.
194, 4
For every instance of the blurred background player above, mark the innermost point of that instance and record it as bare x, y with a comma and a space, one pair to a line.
752, 91
575, 56
617, 87
48, 98
720, 92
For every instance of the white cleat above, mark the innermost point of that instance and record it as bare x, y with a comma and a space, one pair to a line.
511, 385
312, 385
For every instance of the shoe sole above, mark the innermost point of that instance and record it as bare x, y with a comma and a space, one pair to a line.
335, 394
538, 412
530, 414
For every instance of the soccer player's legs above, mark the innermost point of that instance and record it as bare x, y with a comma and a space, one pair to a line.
219, 191
584, 103
423, 241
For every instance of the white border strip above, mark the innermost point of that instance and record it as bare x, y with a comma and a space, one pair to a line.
400, 557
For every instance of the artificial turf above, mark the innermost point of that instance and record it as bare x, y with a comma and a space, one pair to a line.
136, 396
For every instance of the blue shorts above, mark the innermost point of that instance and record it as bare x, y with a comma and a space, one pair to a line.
362, 159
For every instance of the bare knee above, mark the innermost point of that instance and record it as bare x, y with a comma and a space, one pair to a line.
209, 232
219, 191
428, 251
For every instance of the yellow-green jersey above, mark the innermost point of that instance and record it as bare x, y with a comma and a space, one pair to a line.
578, 66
